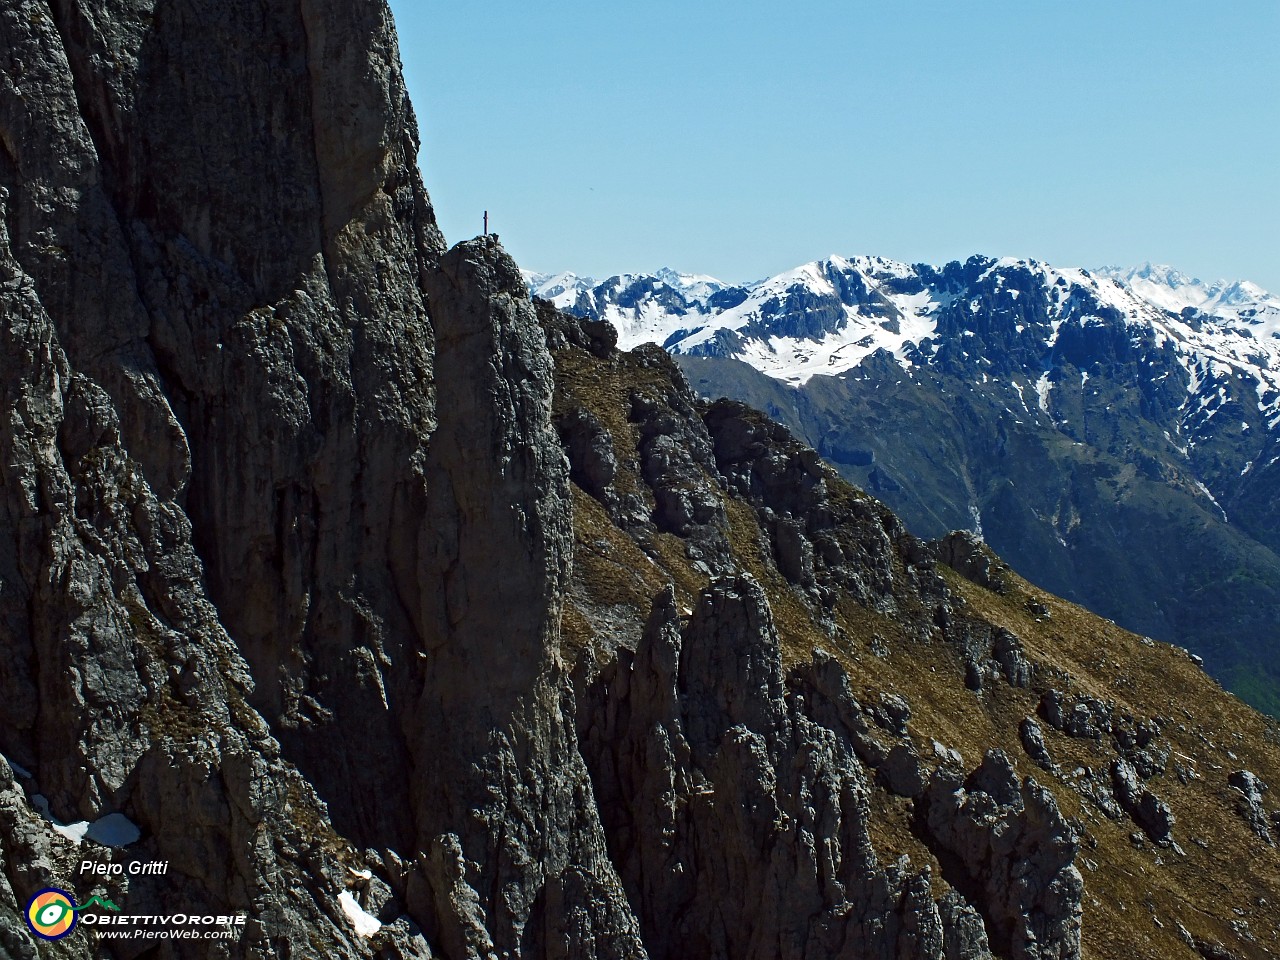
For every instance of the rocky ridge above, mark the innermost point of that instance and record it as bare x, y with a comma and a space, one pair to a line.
1080, 421
408, 618
918, 659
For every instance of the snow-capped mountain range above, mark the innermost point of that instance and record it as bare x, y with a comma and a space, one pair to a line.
828, 316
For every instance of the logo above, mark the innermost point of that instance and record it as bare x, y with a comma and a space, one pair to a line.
51, 914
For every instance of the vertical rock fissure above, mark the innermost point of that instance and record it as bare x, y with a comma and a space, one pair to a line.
315, 153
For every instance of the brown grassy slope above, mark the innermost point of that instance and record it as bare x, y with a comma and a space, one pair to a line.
1220, 887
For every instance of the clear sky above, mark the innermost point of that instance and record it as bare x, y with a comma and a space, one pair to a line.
742, 139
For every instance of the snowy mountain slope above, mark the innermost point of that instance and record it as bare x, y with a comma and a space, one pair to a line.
1164, 287
828, 316
643, 307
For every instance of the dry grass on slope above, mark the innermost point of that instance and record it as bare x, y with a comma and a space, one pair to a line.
1219, 890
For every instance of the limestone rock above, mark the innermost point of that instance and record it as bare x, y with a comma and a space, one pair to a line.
593, 463
226, 320
1033, 742
1014, 844
965, 553
736, 808
1249, 803
1148, 811
509, 783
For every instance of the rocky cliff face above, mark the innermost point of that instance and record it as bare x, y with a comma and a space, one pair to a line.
243, 554
407, 619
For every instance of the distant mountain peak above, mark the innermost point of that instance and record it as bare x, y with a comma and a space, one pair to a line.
1225, 301
1155, 272
680, 279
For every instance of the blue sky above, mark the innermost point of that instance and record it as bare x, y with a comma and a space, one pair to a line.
742, 139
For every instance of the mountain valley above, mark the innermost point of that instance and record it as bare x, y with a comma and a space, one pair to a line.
1112, 434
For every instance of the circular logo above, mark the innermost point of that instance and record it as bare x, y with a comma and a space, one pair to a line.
51, 914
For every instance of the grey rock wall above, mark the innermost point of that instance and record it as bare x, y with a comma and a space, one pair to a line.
737, 806
254, 592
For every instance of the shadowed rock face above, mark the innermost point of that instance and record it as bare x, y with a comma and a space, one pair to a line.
730, 808
218, 210
238, 540
502, 782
